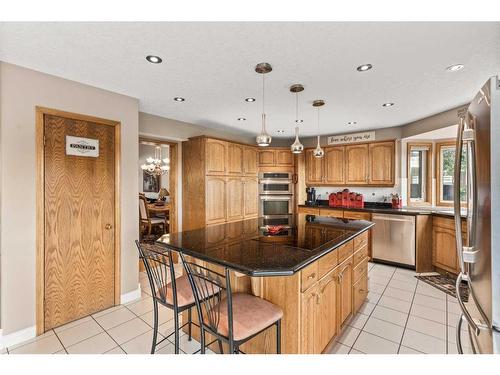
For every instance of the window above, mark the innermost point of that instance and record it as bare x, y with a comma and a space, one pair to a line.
419, 164
445, 169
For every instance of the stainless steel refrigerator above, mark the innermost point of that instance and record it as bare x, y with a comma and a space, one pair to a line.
477, 180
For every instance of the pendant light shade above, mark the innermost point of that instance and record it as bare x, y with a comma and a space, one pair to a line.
263, 139
297, 147
318, 151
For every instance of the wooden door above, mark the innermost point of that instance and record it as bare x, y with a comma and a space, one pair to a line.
328, 310
444, 252
356, 164
344, 274
381, 163
79, 222
250, 161
250, 197
267, 158
234, 198
284, 158
215, 157
314, 168
334, 165
234, 159
215, 200
310, 320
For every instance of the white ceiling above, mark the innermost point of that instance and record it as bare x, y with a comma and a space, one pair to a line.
212, 66
441, 133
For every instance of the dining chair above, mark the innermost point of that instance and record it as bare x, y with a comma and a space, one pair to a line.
233, 318
145, 219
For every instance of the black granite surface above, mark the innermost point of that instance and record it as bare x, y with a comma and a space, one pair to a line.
246, 247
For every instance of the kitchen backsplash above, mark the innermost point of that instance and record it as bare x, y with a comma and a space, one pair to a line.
371, 194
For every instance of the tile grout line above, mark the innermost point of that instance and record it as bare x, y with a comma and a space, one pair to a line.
408, 316
55, 333
108, 333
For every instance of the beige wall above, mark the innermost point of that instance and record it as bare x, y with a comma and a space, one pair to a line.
20, 91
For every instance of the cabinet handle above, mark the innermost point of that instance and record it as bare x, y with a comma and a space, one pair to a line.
361, 290
311, 276
318, 298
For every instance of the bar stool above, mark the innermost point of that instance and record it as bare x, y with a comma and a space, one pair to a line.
231, 318
176, 294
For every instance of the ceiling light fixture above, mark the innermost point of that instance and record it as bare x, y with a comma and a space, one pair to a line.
352, 123
318, 151
241, 119
154, 59
280, 131
387, 104
263, 139
296, 146
299, 121
455, 68
364, 67
250, 100
179, 99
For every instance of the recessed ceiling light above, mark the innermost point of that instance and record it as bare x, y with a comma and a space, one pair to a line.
280, 131
154, 59
455, 68
249, 100
299, 121
352, 123
387, 104
179, 99
241, 119
364, 67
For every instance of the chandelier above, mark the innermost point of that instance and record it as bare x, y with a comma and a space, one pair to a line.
156, 166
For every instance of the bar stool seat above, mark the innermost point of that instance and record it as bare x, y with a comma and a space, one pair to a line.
251, 315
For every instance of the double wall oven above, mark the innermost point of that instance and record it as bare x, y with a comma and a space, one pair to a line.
275, 194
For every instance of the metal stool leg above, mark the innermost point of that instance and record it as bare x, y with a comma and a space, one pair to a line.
221, 348
176, 333
202, 340
278, 337
155, 326
189, 325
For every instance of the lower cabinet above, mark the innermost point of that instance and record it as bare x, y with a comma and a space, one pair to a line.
359, 292
309, 306
344, 275
444, 253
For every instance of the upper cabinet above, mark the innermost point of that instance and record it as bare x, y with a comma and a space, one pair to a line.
234, 159
365, 164
250, 161
216, 156
382, 163
275, 158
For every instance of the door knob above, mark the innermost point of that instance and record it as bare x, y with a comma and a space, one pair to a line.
108, 226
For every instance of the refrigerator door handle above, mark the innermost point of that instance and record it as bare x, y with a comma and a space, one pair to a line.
456, 197
475, 326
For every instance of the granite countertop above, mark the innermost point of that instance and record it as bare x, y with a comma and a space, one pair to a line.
246, 247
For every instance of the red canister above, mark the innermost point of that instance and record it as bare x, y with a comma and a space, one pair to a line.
345, 198
360, 201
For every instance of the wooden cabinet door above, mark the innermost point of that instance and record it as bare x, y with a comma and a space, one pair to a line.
314, 168
334, 165
250, 161
215, 157
250, 197
344, 275
327, 327
284, 158
267, 158
234, 159
356, 164
310, 320
359, 292
215, 200
381, 163
234, 198
444, 254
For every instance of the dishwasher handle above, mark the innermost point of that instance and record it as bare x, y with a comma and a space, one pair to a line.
392, 218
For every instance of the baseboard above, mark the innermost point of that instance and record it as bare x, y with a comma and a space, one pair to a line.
17, 337
131, 296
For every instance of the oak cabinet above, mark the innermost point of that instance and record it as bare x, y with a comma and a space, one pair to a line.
234, 198
327, 296
314, 168
310, 321
266, 158
250, 161
234, 159
444, 253
215, 156
284, 158
333, 168
344, 275
356, 164
359, 292
215, 206
381, 163
275, 158
250, 197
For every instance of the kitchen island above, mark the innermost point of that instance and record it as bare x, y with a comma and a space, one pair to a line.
314, 268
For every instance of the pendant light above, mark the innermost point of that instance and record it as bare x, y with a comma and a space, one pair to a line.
318, 151
263, 139
297, 147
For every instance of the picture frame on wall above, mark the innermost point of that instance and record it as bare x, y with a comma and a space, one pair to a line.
150, 183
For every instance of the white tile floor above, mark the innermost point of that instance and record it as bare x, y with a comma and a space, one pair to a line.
401, 315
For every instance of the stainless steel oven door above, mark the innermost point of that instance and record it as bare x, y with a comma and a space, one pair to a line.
273, 187
270, 205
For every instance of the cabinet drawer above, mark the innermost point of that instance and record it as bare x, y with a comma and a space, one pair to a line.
360, 255
309, 276
359, 293
309, 210
331, 212
345, 251
357, 215
360, 241
327, 263
360, 270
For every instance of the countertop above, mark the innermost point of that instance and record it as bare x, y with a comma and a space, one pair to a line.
245, 247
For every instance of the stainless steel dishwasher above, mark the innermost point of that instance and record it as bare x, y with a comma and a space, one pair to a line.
393, 239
